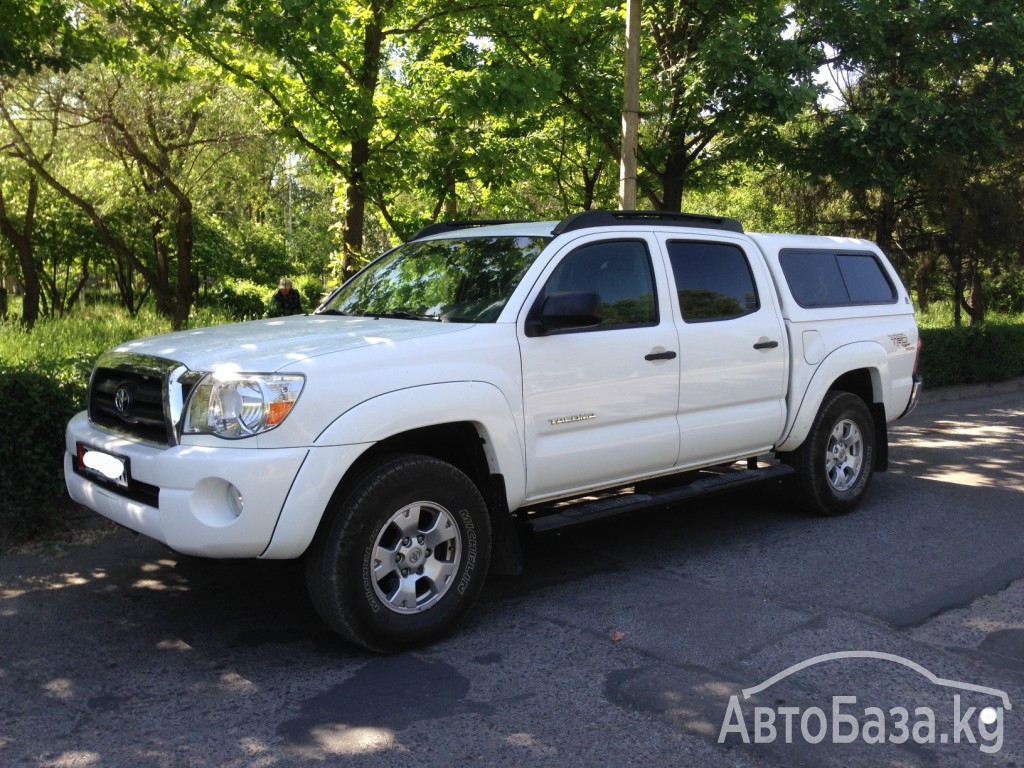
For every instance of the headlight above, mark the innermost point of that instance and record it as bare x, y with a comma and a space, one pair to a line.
235, 405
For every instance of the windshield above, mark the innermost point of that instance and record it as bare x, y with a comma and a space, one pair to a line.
466, 280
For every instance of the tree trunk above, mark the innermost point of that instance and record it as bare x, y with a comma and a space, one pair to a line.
359, 156
673, 179
355, 213
21, 242
958, 288
976, 302
183, 286
30, 300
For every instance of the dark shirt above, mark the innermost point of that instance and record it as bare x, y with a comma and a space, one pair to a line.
282, 303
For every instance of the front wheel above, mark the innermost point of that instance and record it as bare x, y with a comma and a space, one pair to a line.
835, 463
403, 554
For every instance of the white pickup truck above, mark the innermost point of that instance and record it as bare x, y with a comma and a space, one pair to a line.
488, 379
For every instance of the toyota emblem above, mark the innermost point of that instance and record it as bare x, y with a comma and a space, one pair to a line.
123, 400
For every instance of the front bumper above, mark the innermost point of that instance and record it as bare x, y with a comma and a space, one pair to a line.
194, 512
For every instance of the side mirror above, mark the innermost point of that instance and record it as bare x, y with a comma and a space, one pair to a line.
566, 310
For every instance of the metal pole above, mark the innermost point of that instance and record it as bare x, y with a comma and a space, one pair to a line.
630, 108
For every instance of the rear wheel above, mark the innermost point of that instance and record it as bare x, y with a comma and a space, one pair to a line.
403, 555
835, 464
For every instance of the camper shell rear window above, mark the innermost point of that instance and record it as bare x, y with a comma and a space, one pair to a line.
833, 278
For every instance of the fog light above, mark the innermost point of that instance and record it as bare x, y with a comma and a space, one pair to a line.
235, 501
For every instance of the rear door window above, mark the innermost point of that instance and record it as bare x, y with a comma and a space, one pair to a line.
713, 281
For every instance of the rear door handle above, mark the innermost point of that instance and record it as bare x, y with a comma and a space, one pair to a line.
766, 345
660, 356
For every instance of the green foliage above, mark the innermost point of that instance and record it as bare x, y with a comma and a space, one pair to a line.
214, 250
241, 299
922, 134
291, 133
972, 354
262, 256
311, 290
37, 34
36, 409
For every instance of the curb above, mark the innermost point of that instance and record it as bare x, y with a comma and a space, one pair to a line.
964, 391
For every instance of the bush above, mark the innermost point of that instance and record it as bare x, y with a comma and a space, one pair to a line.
241, 299
36, 408
971, 354
311, 290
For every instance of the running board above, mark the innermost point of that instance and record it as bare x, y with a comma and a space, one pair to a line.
541, 520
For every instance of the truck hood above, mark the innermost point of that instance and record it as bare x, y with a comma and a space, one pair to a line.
266, 346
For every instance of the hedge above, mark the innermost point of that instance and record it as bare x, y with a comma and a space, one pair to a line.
971, 354
36, 408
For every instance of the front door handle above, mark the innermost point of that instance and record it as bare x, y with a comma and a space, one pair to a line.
766, 345
660, 356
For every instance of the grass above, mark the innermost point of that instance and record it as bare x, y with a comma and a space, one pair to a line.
68, 346
940, 315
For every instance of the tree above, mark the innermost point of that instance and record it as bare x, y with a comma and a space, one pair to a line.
161, 123
717, 78
19, 199
319, 70
979, 225
725, 75
43, 34
18, 230
920, 88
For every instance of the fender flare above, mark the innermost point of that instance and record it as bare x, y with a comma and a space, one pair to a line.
365, 424
403, 410
861, 355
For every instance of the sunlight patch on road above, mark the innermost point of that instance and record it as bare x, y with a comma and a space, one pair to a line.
57, 581
232, 682
529, 742
173, 645
75, 758
963, 453
158, 586
338, 739
60, 688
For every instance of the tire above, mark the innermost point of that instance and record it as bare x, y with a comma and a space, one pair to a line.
835, 464
402, 556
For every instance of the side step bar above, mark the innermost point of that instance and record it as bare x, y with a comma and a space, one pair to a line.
541, 520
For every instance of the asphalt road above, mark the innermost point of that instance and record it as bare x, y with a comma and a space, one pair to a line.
626, 644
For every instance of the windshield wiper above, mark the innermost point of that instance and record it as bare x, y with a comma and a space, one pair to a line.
401, 314
333, 312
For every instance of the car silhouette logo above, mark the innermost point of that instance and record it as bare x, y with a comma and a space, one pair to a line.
748, 692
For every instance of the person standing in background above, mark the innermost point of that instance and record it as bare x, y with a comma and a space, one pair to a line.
286, 300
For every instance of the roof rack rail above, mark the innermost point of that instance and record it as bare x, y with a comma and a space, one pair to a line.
587, 219
451, 226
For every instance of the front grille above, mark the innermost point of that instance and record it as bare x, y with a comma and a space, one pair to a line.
139, 396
